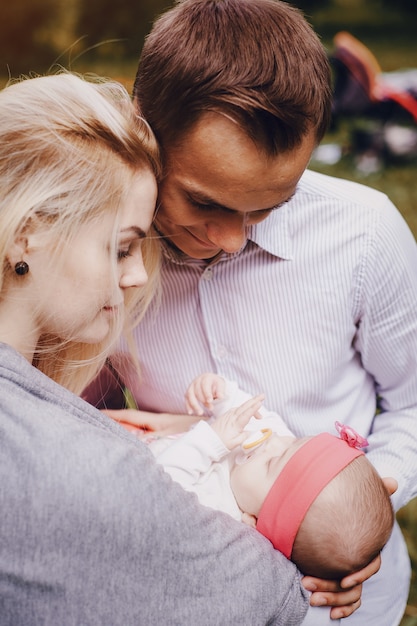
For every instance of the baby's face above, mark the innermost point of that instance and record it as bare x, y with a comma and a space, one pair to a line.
252, 480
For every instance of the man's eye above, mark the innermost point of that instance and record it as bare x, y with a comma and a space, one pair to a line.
212, 207
260, 213
200, 205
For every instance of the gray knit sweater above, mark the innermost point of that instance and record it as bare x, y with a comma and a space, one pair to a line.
94, 532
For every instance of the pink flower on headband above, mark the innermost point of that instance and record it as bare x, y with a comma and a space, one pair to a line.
351, 437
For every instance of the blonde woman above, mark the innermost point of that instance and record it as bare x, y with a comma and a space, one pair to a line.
92, 531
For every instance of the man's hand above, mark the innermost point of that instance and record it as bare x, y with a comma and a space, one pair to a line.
345, 596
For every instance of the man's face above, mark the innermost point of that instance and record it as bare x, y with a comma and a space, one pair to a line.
218, 183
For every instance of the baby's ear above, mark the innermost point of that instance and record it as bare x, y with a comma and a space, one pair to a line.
391, 485
249, 519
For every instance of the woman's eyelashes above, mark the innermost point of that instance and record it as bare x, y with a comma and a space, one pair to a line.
127, 249
122, 254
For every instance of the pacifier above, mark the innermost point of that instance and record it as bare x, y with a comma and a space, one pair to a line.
254, 441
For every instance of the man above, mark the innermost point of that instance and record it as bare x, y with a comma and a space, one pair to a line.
292, 283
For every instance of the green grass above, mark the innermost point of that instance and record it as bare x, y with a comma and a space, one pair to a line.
407, 518
397, 180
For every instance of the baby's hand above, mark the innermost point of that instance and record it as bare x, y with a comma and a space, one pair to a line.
229, 426
203, 391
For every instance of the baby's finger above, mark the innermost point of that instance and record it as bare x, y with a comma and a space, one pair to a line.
202, 391
192, 402
236, 440
212, 388
202, 387
207, 390
248, 409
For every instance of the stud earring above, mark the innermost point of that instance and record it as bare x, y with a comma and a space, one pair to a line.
21, 268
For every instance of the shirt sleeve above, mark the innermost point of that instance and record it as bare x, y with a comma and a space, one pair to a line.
192, 454
387, 343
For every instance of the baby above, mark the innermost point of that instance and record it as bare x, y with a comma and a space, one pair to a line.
317, 499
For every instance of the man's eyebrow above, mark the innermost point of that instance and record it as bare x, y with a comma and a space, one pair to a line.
197, 196
205, 200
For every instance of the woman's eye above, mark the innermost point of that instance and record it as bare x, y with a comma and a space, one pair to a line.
130, 248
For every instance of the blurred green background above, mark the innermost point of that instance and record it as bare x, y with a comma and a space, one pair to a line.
105, 37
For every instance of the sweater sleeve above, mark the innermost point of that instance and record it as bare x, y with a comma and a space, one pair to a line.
217, 570
123, 543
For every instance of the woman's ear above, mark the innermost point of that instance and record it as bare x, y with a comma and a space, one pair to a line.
249, 519
30, 237
17, 250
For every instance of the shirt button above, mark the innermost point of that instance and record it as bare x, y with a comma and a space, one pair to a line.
208, 273
221, 352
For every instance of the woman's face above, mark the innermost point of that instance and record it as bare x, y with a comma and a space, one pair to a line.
78, 300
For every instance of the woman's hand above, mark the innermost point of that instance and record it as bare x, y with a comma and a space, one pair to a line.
160, 424
345, 596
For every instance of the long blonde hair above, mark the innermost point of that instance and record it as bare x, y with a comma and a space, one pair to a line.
69, 149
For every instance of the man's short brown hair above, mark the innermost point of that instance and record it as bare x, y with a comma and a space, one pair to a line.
257, 61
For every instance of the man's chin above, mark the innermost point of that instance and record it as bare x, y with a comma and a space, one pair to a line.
196, 251
193, 249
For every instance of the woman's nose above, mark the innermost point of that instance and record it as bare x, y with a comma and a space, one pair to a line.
133, 274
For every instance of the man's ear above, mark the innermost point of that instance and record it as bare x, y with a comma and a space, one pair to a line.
391, 485
249, 519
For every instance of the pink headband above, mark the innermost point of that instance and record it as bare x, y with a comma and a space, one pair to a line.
305, 475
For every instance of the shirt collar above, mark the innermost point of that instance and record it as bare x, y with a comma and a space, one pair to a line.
273, 234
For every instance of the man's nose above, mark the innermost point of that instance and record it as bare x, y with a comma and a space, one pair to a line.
228, 232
